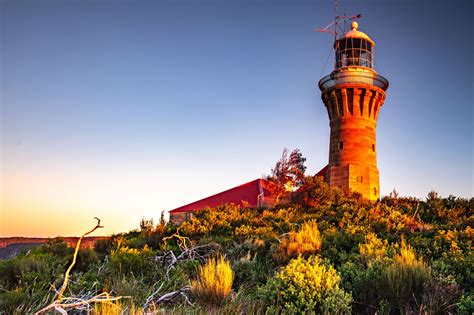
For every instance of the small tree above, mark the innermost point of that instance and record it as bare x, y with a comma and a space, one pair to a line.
288, 173
314, 192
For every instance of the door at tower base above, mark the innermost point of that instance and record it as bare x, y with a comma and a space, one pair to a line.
355, 178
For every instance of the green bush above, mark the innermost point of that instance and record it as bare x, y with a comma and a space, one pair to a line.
12, 301
466, 305
130, 261
361, 281
26, 281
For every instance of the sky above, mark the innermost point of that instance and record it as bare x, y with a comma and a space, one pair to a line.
123, 109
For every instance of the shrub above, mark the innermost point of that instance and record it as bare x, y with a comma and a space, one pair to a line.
305, 286
307, 241
151, 234
362, 283
249, 232
466, 305
85, 259
373, 248
214, 282
340, 247
252, 273
440, 296
12, 301
314, 192
401, 283
126, 268
56, 247
26, 282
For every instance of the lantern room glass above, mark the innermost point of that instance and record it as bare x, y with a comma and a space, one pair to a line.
353, 52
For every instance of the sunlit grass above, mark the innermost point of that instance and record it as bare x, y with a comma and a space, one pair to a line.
116, 308
307, 241
214, 282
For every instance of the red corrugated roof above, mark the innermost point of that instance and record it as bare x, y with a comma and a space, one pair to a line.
323, 172
247, 193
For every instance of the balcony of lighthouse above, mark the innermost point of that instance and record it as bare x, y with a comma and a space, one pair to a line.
363, 76
353, 63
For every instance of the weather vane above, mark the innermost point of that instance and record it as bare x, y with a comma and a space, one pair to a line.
337, 19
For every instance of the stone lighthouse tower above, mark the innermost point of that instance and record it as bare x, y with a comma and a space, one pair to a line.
353, 95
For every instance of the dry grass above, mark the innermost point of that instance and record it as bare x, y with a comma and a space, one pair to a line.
307, 241
214, 282
119, 308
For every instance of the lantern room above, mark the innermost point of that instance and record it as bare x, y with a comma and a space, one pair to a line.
355, 49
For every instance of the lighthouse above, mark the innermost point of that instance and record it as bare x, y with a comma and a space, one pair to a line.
353, 94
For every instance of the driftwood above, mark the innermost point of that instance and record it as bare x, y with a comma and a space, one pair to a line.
200, 253
61, 303
168, 297
79, 304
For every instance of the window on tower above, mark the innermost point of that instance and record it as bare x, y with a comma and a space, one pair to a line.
341, 145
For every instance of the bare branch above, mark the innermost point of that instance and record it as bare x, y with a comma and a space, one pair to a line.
71, 303
61, 307
78, 246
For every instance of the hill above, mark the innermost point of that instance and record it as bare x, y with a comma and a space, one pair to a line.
317, 249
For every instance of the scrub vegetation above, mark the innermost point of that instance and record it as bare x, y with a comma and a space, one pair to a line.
317, 250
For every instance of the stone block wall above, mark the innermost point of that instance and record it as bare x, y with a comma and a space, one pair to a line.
353, 110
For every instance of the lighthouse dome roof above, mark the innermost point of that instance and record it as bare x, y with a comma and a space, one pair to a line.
354, 33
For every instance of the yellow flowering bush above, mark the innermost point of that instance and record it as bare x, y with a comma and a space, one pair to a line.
247, 231
308, 285
374, 248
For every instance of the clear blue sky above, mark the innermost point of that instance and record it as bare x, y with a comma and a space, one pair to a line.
119, 109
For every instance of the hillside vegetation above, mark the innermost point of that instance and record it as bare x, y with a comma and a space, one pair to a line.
317, 251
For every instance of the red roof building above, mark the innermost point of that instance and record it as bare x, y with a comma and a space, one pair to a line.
253, 194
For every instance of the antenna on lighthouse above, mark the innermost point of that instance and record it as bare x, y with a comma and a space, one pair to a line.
337, 19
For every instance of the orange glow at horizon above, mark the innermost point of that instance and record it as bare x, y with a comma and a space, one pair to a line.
53, 203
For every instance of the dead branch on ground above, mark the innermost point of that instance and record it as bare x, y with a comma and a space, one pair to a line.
182, 241
60, 304
200, 253
168, 297
79, 304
